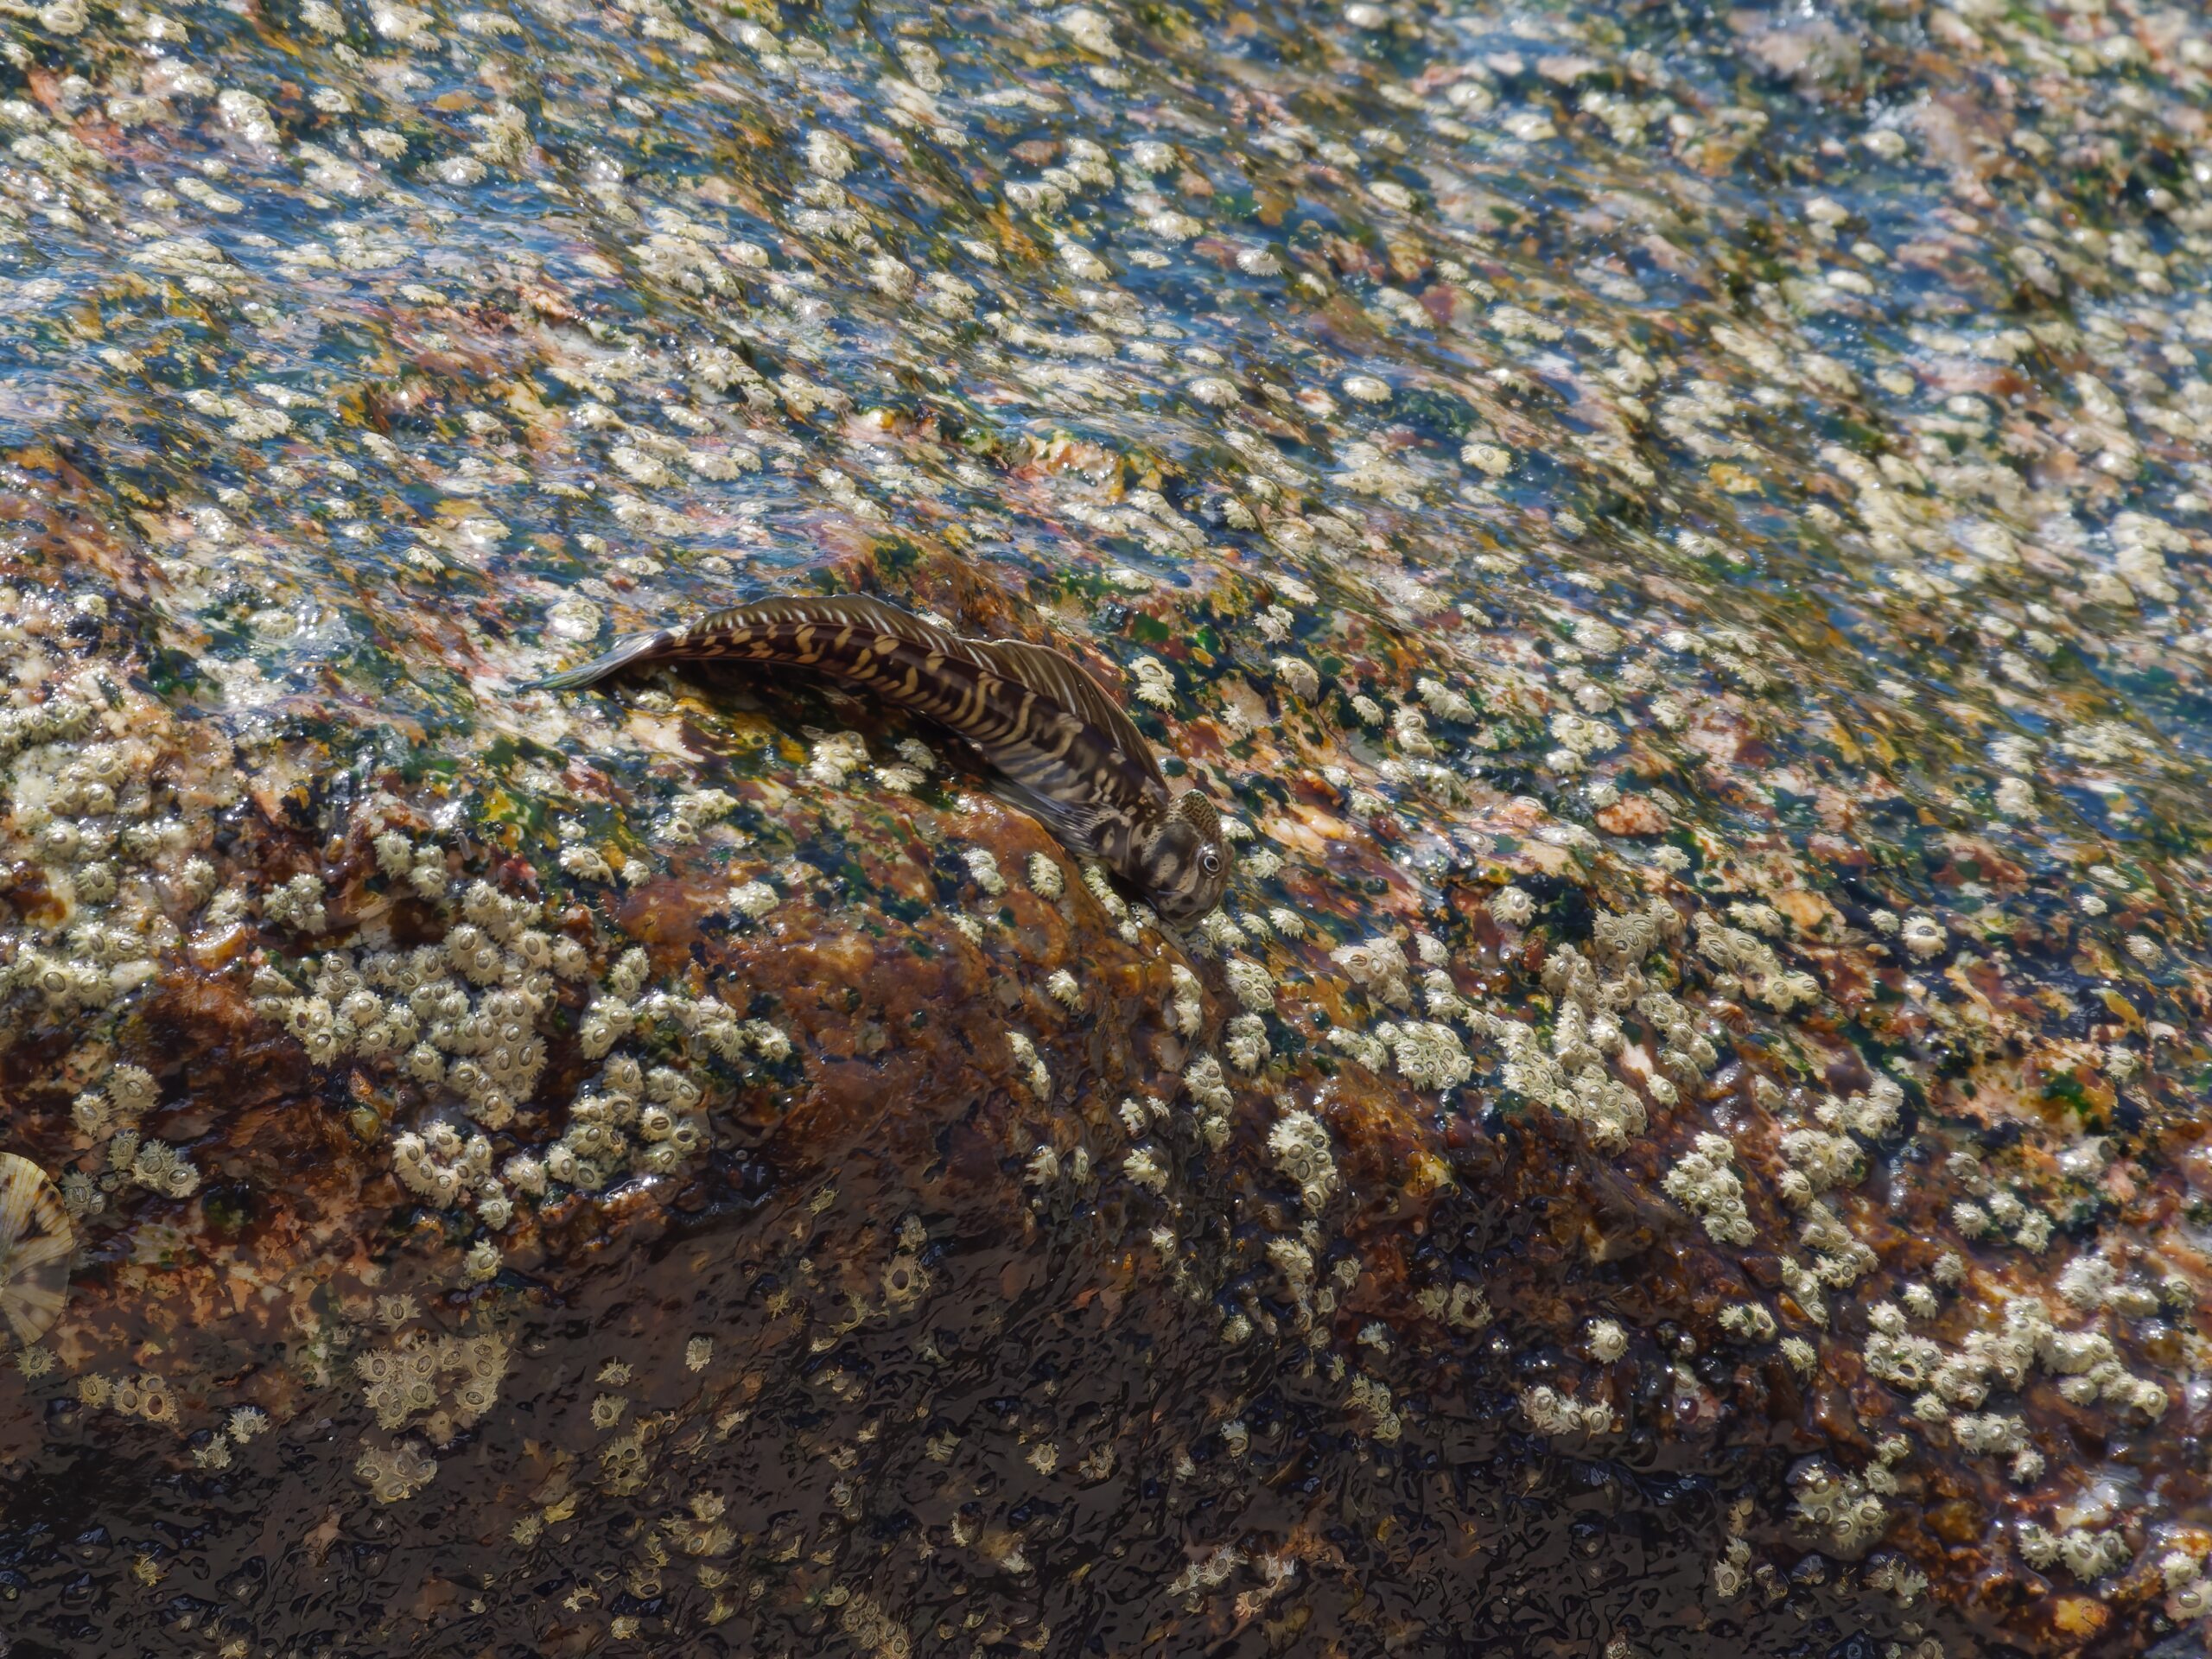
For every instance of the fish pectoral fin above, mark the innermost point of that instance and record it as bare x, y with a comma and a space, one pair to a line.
1079, 828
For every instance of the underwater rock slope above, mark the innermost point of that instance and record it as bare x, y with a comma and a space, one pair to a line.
1676, 535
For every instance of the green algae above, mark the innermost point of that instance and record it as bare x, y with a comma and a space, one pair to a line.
1784, 436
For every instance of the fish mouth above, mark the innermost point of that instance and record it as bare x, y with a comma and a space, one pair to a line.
1184, 911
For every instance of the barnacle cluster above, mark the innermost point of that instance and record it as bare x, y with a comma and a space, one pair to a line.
443, 1384
464, 1020
396, 1473
1729, 788
461, 1015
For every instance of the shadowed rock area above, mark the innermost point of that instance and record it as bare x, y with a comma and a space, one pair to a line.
1677, 538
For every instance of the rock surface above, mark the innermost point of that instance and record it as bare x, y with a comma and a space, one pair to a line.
1678, 536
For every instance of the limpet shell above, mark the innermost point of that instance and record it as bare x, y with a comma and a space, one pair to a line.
36, 1245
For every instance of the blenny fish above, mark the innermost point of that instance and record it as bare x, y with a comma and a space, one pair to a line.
1063, 748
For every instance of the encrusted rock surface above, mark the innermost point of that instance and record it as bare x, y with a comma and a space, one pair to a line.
1678, 534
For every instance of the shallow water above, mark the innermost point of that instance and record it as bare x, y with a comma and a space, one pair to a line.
1676, 534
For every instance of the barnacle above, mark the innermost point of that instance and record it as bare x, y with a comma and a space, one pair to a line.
1298, 676
1607, 1341
1429, 1055
1923, 935
1045, 878
1034, 1074
1703, 1179
1299, 1146
1142, 1165
159, 1168
983, 870
1250, 984
1748, 1321
1154, 684
481, 1263
298, 904
1512, 906
1550, 1412
1246, 1042
1422, 678
396, 1472
1839, 1505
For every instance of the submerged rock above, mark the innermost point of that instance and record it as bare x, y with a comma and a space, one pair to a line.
1676, 540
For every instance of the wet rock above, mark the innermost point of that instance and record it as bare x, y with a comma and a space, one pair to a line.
1680, 540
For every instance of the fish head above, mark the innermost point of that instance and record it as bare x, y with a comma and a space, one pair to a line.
1184, 866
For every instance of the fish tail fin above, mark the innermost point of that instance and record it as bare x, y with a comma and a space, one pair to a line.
636, 648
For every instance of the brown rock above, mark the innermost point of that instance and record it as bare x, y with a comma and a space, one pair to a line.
1634, 814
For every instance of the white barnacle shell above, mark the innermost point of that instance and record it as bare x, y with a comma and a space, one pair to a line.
1923, 936
828, 156
1513, 907
1091, 30
1155, 684
1251, 984
984, 869
1083, 263
1026, 1057
1144, 1168
1492, 458
36, 1245
1298, 676
753, 898
1045, 878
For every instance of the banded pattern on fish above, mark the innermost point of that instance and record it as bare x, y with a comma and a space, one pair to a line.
1065, 751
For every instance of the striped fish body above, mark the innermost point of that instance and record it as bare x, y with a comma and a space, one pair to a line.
1065, 751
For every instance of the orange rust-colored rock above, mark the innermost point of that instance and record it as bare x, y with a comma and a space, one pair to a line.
1634, 815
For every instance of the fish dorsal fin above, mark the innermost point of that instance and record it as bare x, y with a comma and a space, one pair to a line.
1060, 678
835, 611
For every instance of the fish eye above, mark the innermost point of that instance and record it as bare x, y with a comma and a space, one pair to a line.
1209, 861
